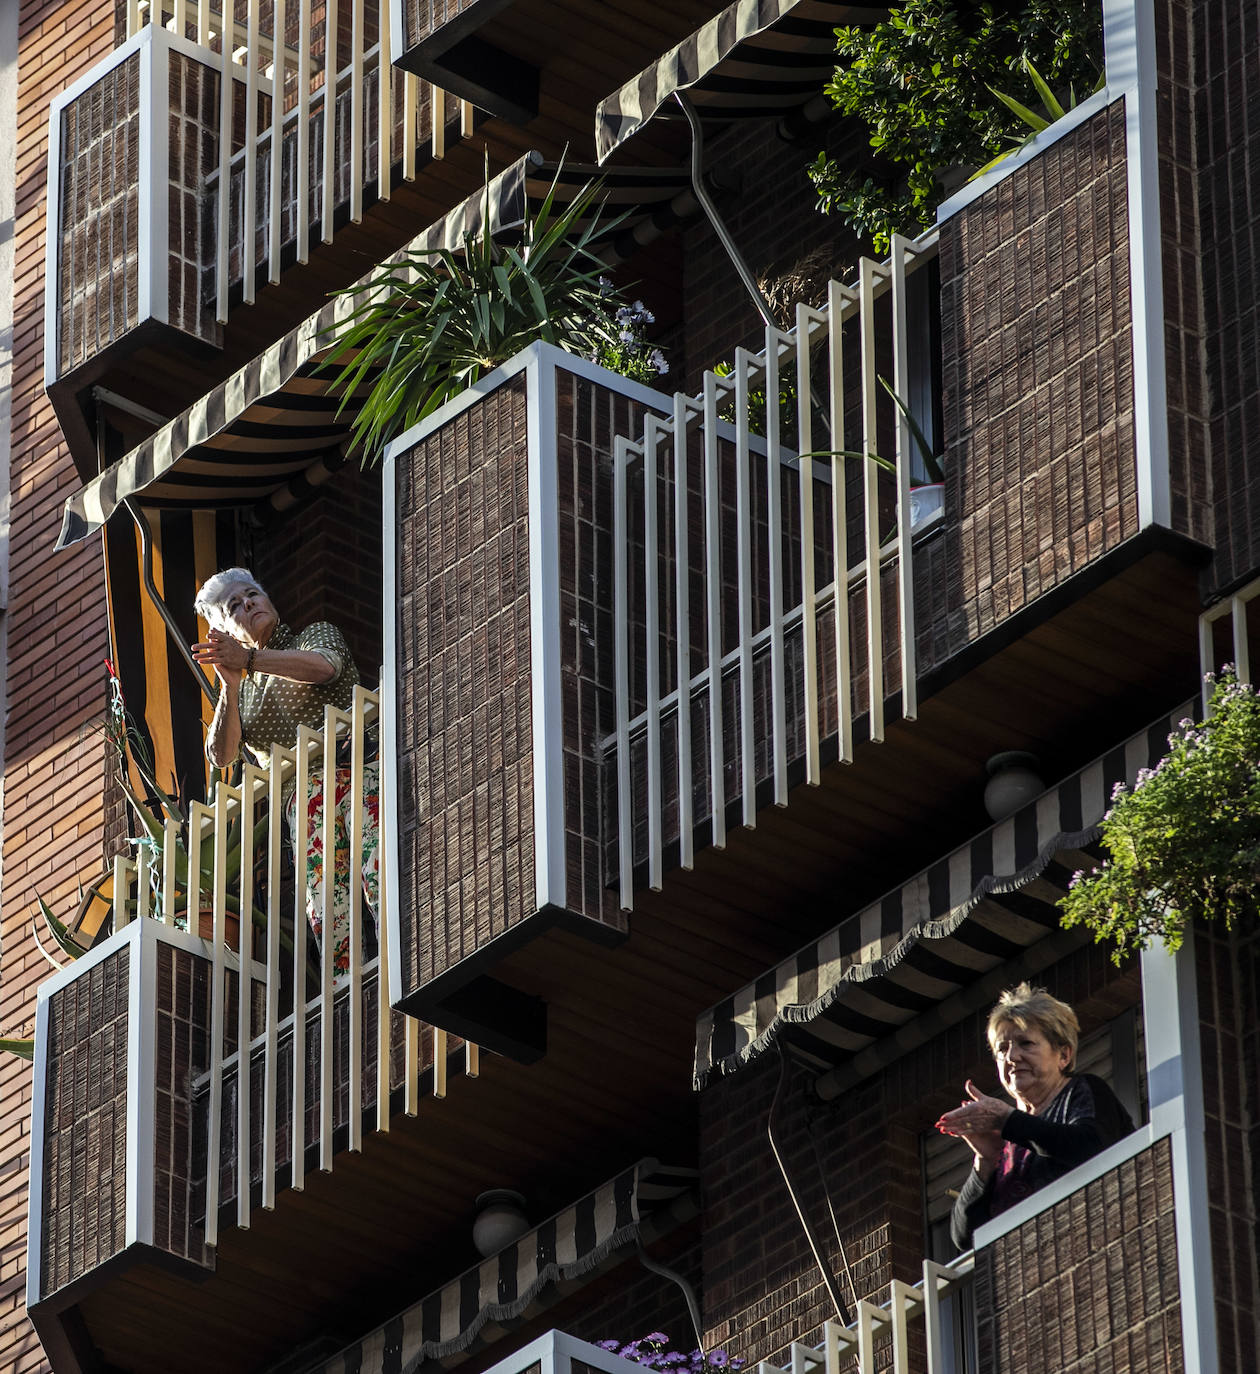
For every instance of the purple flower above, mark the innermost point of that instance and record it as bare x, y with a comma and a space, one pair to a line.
656, 1338
608, 1345
719, 1359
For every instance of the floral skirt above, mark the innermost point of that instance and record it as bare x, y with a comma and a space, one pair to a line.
312, 865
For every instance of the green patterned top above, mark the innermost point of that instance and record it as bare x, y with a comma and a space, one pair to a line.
272, 708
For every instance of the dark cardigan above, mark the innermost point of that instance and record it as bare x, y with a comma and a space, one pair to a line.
1084, 1118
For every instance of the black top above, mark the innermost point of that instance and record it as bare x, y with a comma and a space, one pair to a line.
1084, 1118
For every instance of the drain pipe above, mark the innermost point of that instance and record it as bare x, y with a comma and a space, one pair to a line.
833, 1288
688, 1292
724, 235
711, 214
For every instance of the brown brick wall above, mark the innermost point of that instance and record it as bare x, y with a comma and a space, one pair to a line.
1189, 394
465, 732
84, 1192
1038, 378
182, 1051
56, 638
1206, 177
424, 17
1089, 1285
99, 193
1228, 981
761, 1290
323, 562
465, 708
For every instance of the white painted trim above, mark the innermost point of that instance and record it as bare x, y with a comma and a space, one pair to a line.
169, 935
397, 39
536, 353
1132, 76
1062, 1188
141, 1087
1175, 1085
139, 43
153, 177
1129, 30
35, 1179
52, 246
555, 1353
389, 713
1061, 128
546, 687
106, 64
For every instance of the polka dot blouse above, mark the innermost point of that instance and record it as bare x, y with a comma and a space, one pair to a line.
272, 708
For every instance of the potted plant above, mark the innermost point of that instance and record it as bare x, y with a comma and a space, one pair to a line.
152, 812
653, 1352
1183, 843
924, 81
432, 322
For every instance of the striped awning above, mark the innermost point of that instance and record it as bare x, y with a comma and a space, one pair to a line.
756, 59
640, 1204
987, 903
274, 424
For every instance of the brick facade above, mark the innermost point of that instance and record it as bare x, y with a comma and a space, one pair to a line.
1208, 142
1229, 1016
1090, 1284
761, 1289
54, 772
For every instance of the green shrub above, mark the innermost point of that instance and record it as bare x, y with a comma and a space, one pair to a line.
924, 82
1183, 843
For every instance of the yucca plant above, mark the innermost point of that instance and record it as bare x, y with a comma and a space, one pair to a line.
429, 324
1036, 122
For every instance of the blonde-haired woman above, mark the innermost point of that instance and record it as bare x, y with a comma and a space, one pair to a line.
1059, 1120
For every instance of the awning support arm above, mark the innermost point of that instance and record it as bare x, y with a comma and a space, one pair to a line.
146, 546
828, 1278
711, 214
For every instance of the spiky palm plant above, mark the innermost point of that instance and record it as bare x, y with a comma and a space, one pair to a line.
432, 322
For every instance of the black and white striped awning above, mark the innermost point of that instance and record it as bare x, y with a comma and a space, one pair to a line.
274, 425
640, 1204
985, 904
755, 59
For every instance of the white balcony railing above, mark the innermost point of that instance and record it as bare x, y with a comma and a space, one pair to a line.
232, 863
765, 664
927, 1322
280, 62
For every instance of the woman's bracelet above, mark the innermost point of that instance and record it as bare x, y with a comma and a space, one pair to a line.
249, 662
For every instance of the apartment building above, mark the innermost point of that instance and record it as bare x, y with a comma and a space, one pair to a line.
691, 910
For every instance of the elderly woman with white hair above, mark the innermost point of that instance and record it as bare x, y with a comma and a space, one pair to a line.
1059, 1120
273, 680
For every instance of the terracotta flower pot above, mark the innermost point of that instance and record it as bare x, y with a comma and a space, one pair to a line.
232, 927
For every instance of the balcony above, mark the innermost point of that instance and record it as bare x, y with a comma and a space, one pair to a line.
190, 176
636, 745
558, 604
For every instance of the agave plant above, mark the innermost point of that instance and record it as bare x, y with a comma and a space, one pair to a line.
153, 815
433, 321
